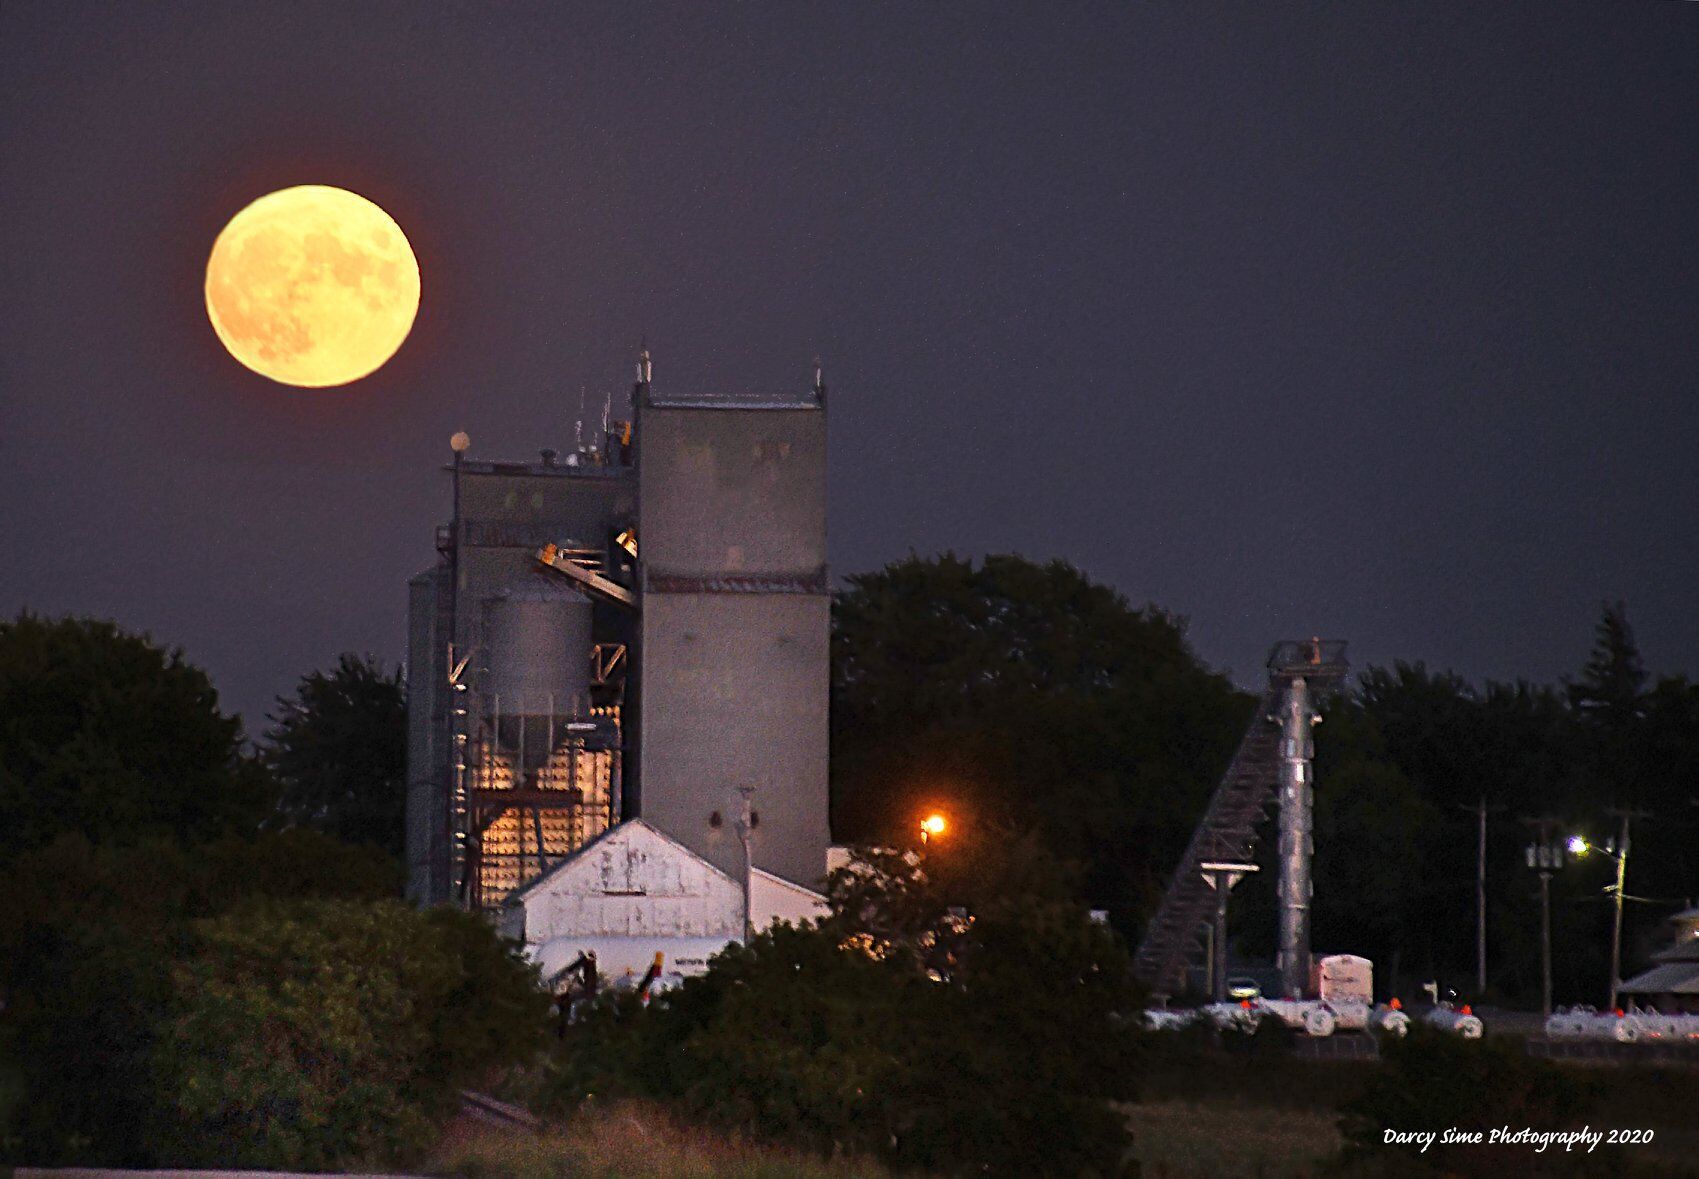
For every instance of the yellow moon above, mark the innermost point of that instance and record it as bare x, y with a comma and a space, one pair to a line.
312, 286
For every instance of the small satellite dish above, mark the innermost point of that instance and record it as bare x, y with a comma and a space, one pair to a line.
461, 442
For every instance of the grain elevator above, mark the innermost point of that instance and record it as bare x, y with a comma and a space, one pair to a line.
638, 629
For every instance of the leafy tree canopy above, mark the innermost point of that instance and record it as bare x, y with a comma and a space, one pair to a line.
935, 1020
307, 1035
1024, 694
338, 747
256, 1001
106, 734
87, 939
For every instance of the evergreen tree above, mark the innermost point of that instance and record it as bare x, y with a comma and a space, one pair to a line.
1612, 687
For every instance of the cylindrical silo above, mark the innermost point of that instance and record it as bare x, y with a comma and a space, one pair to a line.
538, 646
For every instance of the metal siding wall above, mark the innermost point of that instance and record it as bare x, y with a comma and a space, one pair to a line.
426, 791
504, 519
632, 883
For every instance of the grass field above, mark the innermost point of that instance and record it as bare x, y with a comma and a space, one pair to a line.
1195, 1140
627, 1142
1204, 1115
1207, 1113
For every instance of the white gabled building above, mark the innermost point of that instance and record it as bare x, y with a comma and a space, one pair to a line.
632, 893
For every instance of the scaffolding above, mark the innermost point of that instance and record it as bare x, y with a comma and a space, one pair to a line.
538, 783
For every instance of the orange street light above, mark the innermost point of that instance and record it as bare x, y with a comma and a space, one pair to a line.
933, 824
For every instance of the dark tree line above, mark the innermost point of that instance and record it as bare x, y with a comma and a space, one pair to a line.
105, 734
1397, 875
1025, 694
202, 960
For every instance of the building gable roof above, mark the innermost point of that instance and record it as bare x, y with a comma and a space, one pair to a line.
1676, 978
618, 833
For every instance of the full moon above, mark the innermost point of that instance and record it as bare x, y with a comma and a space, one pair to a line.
312, 286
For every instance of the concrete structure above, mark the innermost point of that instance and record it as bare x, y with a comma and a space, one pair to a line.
736, 616
638, 630
634, 892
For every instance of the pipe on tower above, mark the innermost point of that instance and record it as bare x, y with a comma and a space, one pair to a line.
1297, 798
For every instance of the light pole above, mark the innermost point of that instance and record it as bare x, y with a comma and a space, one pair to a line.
1580, 847
1221, 876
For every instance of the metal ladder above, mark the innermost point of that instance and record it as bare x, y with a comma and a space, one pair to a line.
1173, 942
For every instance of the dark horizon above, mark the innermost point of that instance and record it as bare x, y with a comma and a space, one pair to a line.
1373, 322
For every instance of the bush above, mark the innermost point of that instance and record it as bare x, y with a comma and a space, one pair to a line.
981, 1039
120, 965
308, 1034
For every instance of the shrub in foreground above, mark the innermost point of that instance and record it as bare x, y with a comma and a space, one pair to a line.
300, 1036
252, 999
979, 1038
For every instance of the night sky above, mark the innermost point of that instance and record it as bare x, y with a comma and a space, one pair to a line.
1371, 320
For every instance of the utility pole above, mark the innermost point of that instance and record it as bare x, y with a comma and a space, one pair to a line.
1480, 810
1545, 855
745, 829
1621, 884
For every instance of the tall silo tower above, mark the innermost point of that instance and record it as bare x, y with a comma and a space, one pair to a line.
733, 656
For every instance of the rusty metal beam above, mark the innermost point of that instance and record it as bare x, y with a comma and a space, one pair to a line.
612, 591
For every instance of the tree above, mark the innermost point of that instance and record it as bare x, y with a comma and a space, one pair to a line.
338, 746
88, 936
1612, 685
1374, 835
108, 735
955, 1014
306, 1035
1026, 695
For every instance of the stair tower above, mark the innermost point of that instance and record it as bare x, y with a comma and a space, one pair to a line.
1272, 765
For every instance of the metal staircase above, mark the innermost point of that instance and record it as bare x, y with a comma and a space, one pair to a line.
1174, 942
